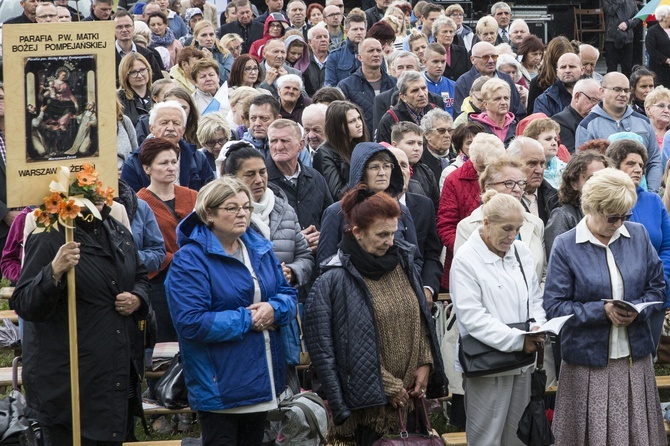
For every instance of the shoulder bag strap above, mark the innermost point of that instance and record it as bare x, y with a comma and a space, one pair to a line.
302, 338
518, 259
309, 417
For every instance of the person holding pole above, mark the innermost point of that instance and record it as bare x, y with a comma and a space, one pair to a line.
112, 302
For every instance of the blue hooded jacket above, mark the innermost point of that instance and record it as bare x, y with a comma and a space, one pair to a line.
332, 222
208, 292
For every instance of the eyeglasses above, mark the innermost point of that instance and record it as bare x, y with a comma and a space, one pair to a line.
441, 130
611, 219
487, 57
216, 142
474, 96
376, 168
235, 49
137, 73
234, 210
618, 90
509, 184
591, 100
276, 25
250, 69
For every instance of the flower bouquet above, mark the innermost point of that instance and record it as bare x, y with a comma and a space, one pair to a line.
66, 202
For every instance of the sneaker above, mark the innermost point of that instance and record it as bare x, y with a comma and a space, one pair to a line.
184, 422
162, 425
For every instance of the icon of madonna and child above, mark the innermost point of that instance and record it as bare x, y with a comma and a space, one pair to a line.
61, 115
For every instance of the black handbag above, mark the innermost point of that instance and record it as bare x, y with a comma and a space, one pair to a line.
479, 359
171, 389
15, 426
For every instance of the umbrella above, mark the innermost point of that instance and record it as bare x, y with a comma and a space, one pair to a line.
646, 14
534, 429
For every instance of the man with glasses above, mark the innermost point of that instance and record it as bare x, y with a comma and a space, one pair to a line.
343, 62
124, 29
333, 18
46, 13
503, 15
614, 115
245, 27
555, 98
484, 58
585, 95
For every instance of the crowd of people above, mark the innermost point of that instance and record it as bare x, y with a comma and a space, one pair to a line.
284, 159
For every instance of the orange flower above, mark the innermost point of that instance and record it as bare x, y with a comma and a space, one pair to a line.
88, 168
109, 195
87, 178
69, 210
42, 218
52, 203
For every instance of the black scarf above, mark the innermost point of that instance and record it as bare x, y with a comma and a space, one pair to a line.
369, 265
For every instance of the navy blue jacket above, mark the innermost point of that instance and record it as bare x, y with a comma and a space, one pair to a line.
341, 64
359, 91
553, 100
577, 280
341, 336
194, 170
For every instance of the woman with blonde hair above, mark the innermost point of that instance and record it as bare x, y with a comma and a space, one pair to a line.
608, 389
233, 43
657, 107
204, 38
135, 86
496, 117
487, 29
213, 134
494, 285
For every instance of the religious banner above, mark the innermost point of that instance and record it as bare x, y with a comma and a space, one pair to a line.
60, 104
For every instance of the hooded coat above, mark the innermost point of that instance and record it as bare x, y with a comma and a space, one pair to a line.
256, 49
208, 294
332, 222
304, 61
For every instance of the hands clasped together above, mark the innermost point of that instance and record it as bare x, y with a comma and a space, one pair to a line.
418, 390
262, 316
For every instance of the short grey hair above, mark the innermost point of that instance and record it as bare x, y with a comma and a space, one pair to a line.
500, 5
166, 105
402, 53
406, 78
662, 12
519, 143
583, 84
437, 114
313, 29
518, 22
485, 148
443, 21
289, 78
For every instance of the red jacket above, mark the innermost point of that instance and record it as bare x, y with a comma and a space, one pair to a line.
460, 196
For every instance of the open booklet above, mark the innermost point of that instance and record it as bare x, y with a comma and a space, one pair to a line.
552, 326
629, 306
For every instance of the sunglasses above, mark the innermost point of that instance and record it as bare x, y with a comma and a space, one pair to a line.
611, 219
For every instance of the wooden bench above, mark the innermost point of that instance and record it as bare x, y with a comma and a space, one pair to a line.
6, 292
11, 315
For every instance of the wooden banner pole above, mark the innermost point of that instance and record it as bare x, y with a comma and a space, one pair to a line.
74, 351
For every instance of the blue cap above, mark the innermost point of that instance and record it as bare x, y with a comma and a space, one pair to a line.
139, 8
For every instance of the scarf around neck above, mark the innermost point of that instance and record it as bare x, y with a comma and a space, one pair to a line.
369, 265
261, 215
166, 40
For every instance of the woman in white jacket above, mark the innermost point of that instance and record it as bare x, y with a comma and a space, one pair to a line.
493, 283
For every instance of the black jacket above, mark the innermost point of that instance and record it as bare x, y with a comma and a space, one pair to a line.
429, 244
384, 101
568, 119
249, 34
373, 15
341, 335
657, 44
309, 198
314, 77
111, 346
424, 175
460, 63
397, 113
154, 61
547, 201
334, 169
133, 108
23, 18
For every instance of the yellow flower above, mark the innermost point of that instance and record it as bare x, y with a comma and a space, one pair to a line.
69, 210
52, 203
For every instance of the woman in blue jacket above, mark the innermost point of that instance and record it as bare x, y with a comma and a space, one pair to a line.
631, 158
229, 299
607, 392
